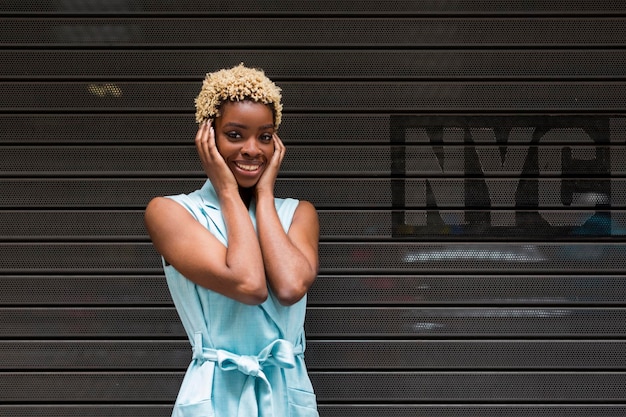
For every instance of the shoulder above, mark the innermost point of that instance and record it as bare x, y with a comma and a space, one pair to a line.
306, 208
160, 203
163, 208
163, 204
157, 204
306, 214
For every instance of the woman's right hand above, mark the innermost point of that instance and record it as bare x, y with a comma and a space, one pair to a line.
213, 163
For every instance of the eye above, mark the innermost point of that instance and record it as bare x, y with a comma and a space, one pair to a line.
233, 135
266, 137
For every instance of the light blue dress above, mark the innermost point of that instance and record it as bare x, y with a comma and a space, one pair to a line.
247, 360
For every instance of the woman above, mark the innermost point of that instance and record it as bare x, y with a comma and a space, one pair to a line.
239, 261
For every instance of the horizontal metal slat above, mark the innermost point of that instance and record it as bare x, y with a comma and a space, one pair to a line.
464, 410
401, 96
306, 31
481, 290
89, 387
435, 257
384, 289
59, 225
349, 64
98, 290
439, 225
327, 355
511, 387
324, 161
136, 193
333, 193
473, 354
85, 355
46, 322
344, 410
457, 321
181, 128
144, 409
327, 322
484, 387
289, 7
126, 129
473, 257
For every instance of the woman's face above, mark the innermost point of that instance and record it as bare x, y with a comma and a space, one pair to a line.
244, 138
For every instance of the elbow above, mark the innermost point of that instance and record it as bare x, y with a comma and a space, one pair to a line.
254, 299
289, 294
290, 297
254, 292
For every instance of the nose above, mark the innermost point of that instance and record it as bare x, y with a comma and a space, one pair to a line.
251, 147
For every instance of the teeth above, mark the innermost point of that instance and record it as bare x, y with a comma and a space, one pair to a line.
248, 167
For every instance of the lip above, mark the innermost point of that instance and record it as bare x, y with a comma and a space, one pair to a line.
239, 166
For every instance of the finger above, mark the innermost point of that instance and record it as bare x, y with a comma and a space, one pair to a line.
198, 140
200, 131
278, 140
279, 147
202, 144
212, 145
212, 152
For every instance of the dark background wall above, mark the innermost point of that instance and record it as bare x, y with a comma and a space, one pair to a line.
467, 159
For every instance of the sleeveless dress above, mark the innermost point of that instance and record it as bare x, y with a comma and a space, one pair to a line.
247, 361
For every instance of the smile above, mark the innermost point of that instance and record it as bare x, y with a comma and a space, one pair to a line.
246, 167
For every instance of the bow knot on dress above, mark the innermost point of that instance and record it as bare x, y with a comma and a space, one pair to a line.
249, 365
256, 397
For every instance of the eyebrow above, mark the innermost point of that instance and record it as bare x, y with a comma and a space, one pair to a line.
242, 126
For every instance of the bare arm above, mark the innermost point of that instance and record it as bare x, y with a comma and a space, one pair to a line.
290, 258
235, 271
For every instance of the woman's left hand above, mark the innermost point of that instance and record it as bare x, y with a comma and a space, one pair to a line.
268, 178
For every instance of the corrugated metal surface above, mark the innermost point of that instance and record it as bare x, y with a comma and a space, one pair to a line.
468, 160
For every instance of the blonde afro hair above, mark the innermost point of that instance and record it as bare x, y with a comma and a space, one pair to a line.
237, 84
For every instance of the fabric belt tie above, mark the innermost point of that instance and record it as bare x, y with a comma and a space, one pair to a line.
256, 396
